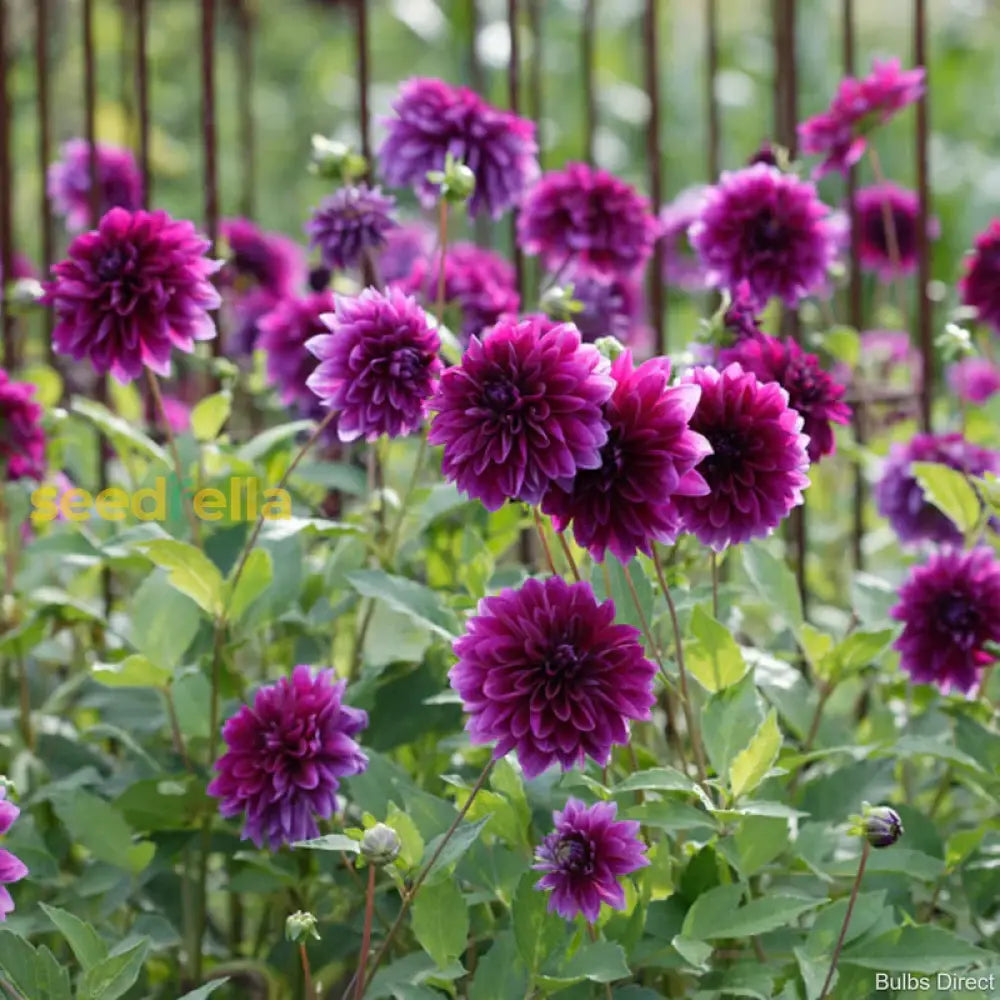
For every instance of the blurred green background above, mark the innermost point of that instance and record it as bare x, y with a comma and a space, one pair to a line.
304, 82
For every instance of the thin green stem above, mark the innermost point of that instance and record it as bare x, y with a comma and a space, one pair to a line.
847, 920
411, 487
443, 245
568, 552
540, 528
366, 934
714, 559
307, 978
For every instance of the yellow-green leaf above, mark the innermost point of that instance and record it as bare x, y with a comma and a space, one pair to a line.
950, 491
713, 657
749, 766
211, 414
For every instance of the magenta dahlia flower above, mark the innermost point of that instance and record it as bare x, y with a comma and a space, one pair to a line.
349, 223
21, 267
900, 499
68, 182
812, 392
587, 218
521, 409
681, 265
950, 609
546, 671
584, 858
740, 318
877, 250
478, 283
285, 756
431, 119
131, 291
650, 457
378, 364
975, 380
22, 440
12, 869
839, 134
403, 246
757, 470
611, 305
767, 228
980, 284
284, 333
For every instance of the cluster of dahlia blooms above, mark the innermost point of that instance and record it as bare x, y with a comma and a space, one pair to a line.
12, 868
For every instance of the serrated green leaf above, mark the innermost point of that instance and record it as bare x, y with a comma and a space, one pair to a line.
96, 825
729, 722
441, 921
133, 671
115, 975
35, 974
950, 491
254, 580
537, 932
717, 914
210, 414
260, 446
411, 843
122, 434
189, 570
501, 974
460, 841
713, 658
924, 949
203, 992
598, 961
84, 941
775, 583
162, 621
750, 765
331, 842
421, 603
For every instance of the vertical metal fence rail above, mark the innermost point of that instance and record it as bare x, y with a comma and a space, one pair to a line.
42, 112
924, 304
481, 226
6, 199
514, 100
854, 304
142, 94
244, 88
654, 163
587, 32
711, 72
211, 176
536, 89
361, 41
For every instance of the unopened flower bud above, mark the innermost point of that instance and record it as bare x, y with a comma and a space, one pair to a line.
457, 181
879, 825
335, 160
380, 845
319, 279
24, 295
955, 342
610, 347
301, 925
558, 303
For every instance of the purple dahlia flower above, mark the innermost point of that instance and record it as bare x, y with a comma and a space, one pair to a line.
433, 118
839, 133
479, 283
587, 218
980, 284
767, 228
132, 290
766, 153
900, 499
12, 869
521, 409
21, 267
351, 222
757, 470
22, 440
68, 182
812, 392
284, 333
285, 756
975, 380
584, 858
611, 306
378, 365
877, 248
546, 671
950, 609
741, 317
404, 245
681, 266
649, 458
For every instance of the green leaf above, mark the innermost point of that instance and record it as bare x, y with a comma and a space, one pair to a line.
760, 839
411, 843
868, 910
420, 603
775, 583
843, 343
717, 914
123, 435
501, 974
459, 842
950, 491
625, 610
254, 580
100, 828
203, 992
133, 671
441, 921
189, 570
856, 652
924, 949
598, 961
162, 621
260, 446
331, 842
112, 978
657, 779
210, 414
714, 658
35, 974
729, 722
536, 931
192, 696
84, 941
749, 766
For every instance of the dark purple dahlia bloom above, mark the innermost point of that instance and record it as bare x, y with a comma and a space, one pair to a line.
12, 869
131, 291
284, 333
757, 470
22, 440
839, 133
975, 380
766, 153
479, 283
587, 218
585, 856
877, 249
980, 284
611, 306
741, 317
950, 609
521, 409
351, 222
432, 118
649, 458
285, 756
681, 266
767, 228
404, 245
900, 499
68, 184
378, 365
546, 671
812, 392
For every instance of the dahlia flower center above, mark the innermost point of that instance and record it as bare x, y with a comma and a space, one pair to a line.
406, 363
564, 662
501, 396
729, 448
878, 234
574, 854
767, 233
802, 387
111, 265
957, 617
612, 461
253, 263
